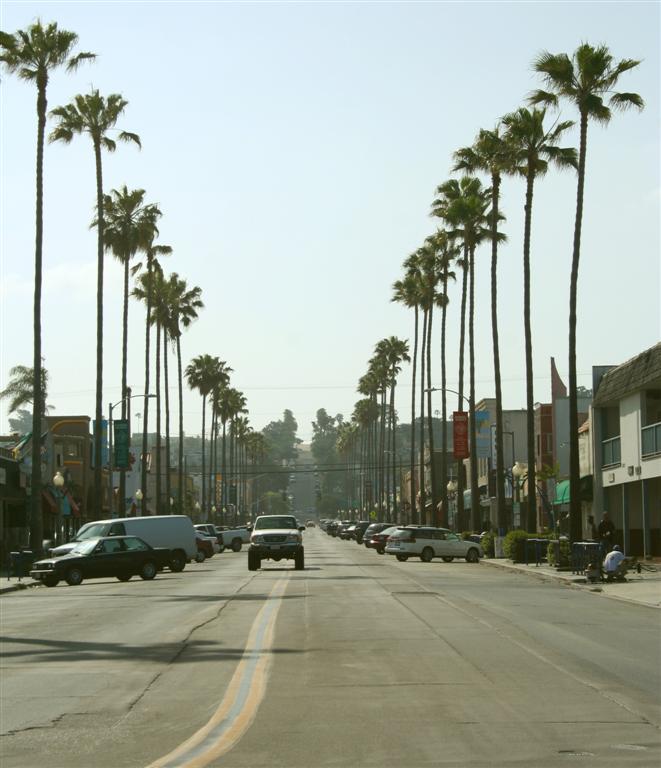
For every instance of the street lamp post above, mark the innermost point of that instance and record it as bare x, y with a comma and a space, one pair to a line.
138, 498
451, 488
58, 482
518, 471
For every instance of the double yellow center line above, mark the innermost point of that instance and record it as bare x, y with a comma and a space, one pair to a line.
244, 694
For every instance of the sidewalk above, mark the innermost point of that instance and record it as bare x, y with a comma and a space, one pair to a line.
642, 588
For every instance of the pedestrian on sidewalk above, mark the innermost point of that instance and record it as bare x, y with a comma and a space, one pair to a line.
606, 533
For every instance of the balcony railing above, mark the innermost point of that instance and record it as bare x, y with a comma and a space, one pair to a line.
610, 452
651, 439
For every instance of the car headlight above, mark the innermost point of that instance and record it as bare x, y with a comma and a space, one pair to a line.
293, 538
257, 539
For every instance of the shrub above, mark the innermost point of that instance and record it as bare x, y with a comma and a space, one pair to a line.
488, 544
513, 545
565, 553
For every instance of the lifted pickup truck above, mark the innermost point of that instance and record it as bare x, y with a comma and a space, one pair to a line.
276, 537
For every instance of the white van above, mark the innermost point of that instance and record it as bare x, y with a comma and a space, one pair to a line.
176, 532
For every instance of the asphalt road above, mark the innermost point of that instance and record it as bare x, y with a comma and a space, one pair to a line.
357, 661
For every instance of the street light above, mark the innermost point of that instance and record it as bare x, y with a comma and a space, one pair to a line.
518, 471
138, 498
213, 512
110, 448
452, 495
58, 482
171, 505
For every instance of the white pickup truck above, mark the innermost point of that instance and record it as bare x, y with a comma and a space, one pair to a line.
235, 538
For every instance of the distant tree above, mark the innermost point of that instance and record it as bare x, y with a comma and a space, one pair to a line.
20, 389
22, 424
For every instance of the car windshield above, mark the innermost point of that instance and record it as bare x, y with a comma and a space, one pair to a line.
85, 547
90, 531
275, 522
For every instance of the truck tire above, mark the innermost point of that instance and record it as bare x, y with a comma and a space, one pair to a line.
254, 561
51, 581
299, 560
200, 556
74, 577
236, 545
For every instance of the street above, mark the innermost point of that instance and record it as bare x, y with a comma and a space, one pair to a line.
358, 661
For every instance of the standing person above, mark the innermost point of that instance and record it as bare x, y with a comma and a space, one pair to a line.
606, 532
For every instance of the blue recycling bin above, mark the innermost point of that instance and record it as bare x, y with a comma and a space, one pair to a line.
535, 551
584, 552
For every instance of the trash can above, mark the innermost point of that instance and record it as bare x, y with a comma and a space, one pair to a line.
20, 563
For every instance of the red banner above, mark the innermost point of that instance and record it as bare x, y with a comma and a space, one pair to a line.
460, 434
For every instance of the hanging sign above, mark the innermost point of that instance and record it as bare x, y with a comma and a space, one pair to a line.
460, 434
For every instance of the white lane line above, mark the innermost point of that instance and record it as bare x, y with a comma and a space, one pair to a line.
246, 689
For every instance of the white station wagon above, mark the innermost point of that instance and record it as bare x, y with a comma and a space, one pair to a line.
428, 543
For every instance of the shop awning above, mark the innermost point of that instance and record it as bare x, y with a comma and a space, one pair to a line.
562, 492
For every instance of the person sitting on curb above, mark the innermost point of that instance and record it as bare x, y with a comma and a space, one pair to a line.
614, 564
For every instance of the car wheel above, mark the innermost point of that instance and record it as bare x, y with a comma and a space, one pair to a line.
381, 550
51, 581
74, 577
427, 554
447, 559
402, 558
200, 557
126, 577
177, 562
148, 570
236, 545
222, 548
472, 556
299, 560
253, 561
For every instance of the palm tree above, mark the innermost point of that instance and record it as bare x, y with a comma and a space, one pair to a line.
585, 80
203, 373
464, 206
20, 390
533, 147
130, 226
407, 292
33, 54
395, 351
491, 154
185, 302
96, 116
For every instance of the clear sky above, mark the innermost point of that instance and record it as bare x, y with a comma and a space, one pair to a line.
294, 149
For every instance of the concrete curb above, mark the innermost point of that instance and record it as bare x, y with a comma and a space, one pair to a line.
17, 585
573, 581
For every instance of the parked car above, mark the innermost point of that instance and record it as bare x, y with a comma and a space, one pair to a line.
174, 532
205, 546
207, 529
341, 528
310, 524
103, 557
346, 532
360, 529
378, 539
276, 537
428, 543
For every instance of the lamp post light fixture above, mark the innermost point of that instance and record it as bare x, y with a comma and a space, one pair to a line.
518, 472
197, 511
213, 512
452, 495
58, 482
171, 505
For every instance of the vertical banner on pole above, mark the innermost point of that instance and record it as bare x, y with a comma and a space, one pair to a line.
460, 434
121, 444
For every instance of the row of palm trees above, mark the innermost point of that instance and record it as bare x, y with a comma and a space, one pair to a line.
524, 143
126, 225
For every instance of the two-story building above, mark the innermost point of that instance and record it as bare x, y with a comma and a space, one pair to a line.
627, 450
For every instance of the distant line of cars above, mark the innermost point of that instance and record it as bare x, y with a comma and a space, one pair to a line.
405, 541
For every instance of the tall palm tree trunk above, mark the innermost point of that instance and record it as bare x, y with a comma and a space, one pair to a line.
166, 382
500, 461
98, 462
121, 503
36, 518
413, 383
159, 480
382, 454
393, 423
223, 486
444, 408
423, 495
462, 345
145, 406
575, 522
475, 492
204, 498
430, 423
180, 461
530, 402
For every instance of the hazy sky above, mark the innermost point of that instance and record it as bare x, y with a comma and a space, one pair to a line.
294, 149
